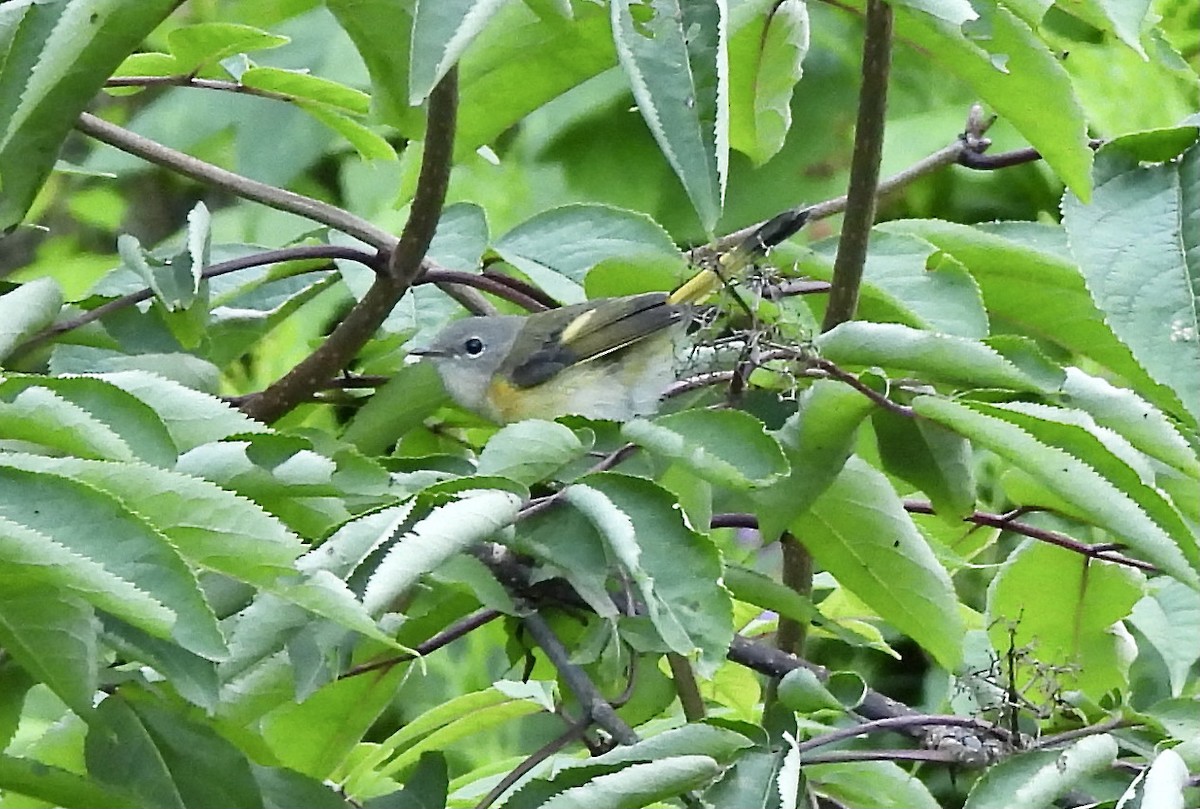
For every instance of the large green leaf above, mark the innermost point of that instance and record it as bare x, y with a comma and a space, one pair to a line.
55, 57
676, 569
448, 529
442, 30
1035, 779
765, 63
1015, 73
50, 632
1138, 247
1031, 284
26, 310
817, 440
1077, 601
859, 531
557, 247
1069, 478
726, 447
98, 530
937, 357
675, 56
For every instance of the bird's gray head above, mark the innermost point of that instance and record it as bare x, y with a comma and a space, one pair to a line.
468, 352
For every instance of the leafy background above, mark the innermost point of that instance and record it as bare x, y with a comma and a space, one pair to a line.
972, 511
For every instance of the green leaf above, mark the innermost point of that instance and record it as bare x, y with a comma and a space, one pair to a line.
41, 561
930, 457
207, 43
41, 417
1069, 478
1142, 424
674, 55
859, 531
193, 418
1029, 280
557, 247
1151, 303
344, 710
98, 528
765, 63
316, 90
51, 632
676, 569
1169, 616
382, 32
1037, 778
126, 418
817, 440
167, 759
1081, 598
882, 784
504, 79
448, 529
457, 718
442, 31
27, 310
1166, 781
530, 451
907, 279
1013, 71
940, 357
191, 676
801, 691
752, 780
59, 787
639, 784
59, 54
726, 447
233, 536
182, 368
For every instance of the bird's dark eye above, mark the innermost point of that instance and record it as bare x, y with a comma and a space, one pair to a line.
473, 346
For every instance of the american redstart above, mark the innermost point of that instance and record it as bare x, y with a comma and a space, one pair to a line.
610, 358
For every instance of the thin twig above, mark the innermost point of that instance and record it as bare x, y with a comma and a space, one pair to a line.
851, 756
299, 253
185, 80
1055, 739
686, 687
1103, 552
451, 633
905, 723
573, 732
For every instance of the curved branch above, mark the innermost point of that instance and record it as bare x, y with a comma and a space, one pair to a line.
269, 195
404, 265
184, 80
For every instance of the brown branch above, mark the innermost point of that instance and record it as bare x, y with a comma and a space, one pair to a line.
905, 723
244, 187
1104, 552
797, 575
573, 732
488, 282
456, 630
984, 162
851, 756
300, 253
186, 80
686, 688
864, 167
404, 264
593, 703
